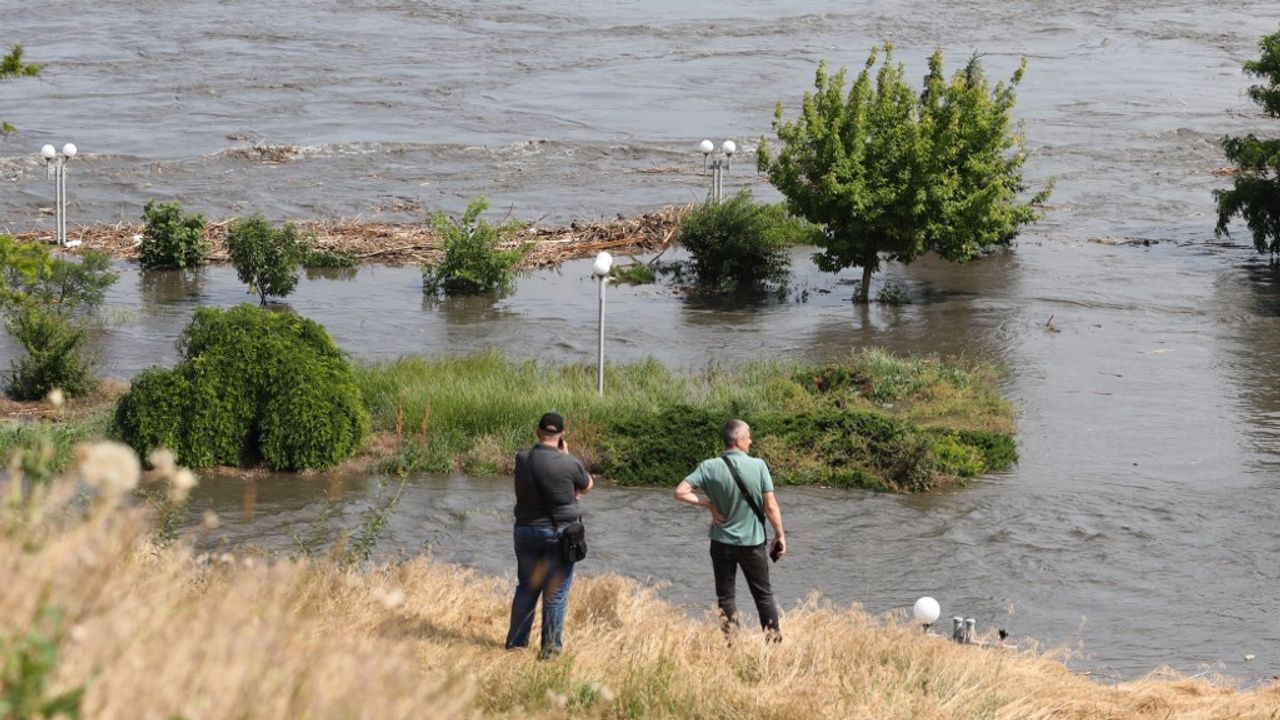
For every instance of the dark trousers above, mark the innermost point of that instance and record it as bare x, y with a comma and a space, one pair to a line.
754, 561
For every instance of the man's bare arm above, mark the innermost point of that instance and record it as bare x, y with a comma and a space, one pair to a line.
774, 514
685, 494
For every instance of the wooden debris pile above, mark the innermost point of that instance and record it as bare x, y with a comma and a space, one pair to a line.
417, 243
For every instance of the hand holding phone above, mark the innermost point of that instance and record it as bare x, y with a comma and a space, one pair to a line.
778, 549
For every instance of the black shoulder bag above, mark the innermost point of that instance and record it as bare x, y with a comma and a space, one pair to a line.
572, 537
774, 553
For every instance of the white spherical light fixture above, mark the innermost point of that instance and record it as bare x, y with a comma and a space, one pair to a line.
926, 610
69, 150
707, 147
603, 262
729, 147
48, 152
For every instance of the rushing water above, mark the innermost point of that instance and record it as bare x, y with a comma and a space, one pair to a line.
1137, 525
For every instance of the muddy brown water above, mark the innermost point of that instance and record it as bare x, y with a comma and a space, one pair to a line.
1138, 527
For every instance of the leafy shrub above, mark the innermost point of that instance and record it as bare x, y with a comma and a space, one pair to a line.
172, 238
266, 258
45, 301
252, 386
55, 356
327, 259
474, 261
635, 274
740, 243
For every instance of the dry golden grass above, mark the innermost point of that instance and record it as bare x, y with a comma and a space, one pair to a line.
157, 632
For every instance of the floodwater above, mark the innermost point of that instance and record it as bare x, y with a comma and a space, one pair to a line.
1137, 526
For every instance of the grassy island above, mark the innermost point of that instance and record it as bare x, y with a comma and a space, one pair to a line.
871, 421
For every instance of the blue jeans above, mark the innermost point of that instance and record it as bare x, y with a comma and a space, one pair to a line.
539, 572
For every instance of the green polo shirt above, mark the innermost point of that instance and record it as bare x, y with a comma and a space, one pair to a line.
741, 526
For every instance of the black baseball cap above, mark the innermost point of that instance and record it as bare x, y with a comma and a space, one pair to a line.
551, 423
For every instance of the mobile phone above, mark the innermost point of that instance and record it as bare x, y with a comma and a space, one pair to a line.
775, 552
560, 444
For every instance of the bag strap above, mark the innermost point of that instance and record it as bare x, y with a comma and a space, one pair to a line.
755, 507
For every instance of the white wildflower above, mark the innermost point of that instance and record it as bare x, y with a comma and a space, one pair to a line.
557, 699
180, 484
210, 520
390, 599
164, 461
607, 694
55, 397
109, 467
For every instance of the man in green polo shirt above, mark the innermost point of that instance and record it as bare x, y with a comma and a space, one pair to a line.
737, 529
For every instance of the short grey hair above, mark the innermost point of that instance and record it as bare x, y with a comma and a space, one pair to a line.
733, 431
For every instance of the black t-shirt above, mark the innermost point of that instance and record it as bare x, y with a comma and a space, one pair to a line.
557, 475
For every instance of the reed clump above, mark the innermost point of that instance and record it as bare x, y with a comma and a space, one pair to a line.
130, 628
872, 420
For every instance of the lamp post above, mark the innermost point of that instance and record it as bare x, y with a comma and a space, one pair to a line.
56, 169
718, 167
600, 269
926, 611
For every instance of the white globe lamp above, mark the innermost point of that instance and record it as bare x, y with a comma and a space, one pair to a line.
69, 150
601, 266
729, 147
926, 611
707, 147
48, 152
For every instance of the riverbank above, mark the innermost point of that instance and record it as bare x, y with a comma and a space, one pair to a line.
149, 630
414, 243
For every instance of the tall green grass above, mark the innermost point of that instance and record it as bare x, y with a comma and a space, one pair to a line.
873, 420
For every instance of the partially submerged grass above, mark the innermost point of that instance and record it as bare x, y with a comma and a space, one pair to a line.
873, 420
151, 631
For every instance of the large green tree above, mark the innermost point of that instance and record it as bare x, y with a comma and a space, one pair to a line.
1255, 196
891, 173
12, 66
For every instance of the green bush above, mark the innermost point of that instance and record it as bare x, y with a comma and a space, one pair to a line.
740, 243
55, 355
474, 261
266, 258
172, 238
45, 301
252, 386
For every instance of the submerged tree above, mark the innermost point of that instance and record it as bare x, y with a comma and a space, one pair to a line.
890, 173
1255, 195
12, 66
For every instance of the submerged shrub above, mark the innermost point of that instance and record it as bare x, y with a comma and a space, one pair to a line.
740, 243
266, 258
55, 355
46, 301
172, 238
252, 386
474, 259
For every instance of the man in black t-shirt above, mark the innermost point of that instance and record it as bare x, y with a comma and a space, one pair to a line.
548, 483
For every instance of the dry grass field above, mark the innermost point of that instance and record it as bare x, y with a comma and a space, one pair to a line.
92, 601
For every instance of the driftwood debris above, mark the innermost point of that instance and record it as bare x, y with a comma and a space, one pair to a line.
417, 243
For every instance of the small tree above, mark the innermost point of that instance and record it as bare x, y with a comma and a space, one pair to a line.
266, 258
45, 301
474, 259
891, 173
12, 66
740, 243
1255, 196
172, 238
